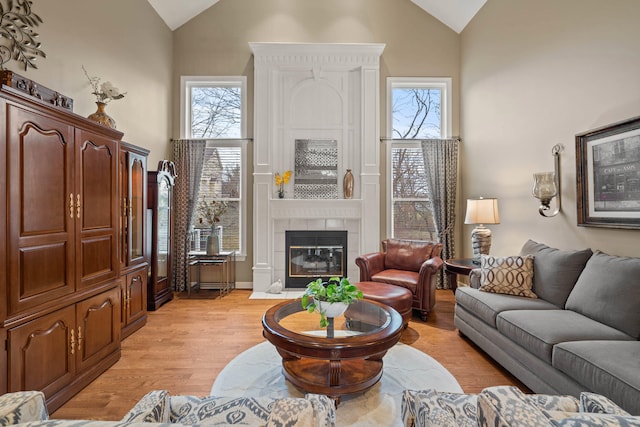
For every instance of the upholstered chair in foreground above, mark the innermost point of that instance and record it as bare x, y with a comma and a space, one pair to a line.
411, 264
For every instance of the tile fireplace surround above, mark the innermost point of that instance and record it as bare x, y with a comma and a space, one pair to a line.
315, 91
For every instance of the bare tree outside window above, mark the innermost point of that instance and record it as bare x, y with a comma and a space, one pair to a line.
216, 112
415, 114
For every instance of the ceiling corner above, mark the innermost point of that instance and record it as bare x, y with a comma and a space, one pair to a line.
455, 14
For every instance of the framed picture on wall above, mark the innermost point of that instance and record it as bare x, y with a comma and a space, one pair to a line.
608, 175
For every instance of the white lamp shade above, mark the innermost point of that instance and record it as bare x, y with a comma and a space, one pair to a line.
482, 211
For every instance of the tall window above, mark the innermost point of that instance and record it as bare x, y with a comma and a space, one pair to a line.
417, 108
214, 108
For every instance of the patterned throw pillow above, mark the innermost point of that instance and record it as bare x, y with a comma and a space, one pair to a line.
512, 275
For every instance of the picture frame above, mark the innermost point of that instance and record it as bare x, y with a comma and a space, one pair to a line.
608, 175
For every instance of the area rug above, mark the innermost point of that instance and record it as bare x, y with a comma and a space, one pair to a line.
257, 372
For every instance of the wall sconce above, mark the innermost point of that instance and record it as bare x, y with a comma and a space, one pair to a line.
481, 211
546, 186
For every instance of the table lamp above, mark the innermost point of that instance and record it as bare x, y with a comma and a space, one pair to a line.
481, 211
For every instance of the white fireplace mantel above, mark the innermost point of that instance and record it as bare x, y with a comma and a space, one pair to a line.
315, 91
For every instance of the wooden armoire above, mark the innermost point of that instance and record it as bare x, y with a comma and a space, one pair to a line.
60, 248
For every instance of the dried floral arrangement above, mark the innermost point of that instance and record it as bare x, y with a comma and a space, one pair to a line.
212, 211
104, 92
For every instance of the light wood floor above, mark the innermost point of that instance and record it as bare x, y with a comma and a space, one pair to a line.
187, 342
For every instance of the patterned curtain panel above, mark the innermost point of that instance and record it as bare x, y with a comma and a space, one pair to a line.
188, 156
441, 164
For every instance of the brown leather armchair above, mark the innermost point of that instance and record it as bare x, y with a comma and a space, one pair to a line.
411, 264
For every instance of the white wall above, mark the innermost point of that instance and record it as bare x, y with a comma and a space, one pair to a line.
535, 73
122, 41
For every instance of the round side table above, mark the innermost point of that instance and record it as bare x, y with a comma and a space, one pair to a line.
453, 267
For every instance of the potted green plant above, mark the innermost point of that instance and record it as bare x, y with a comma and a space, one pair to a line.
330, 298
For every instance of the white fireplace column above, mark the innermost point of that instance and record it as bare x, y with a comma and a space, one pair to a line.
315, 91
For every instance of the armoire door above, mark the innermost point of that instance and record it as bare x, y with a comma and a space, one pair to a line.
98, 320
42, 353
96, 195
42, 209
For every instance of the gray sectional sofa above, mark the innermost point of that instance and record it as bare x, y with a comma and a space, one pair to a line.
581, 333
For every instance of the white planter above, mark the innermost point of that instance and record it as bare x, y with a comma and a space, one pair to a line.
331, 309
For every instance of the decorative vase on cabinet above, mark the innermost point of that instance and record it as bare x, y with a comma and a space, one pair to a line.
102, 117
159, 289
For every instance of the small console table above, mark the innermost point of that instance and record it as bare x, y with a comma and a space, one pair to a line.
224, 262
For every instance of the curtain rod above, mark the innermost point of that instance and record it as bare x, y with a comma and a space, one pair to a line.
457, 138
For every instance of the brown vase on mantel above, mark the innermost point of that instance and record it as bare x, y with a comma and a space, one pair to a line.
348, 184
100, 116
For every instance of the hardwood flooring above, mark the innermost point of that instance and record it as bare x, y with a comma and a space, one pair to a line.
187, 342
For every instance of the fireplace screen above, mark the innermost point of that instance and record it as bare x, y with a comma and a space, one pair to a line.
314, 254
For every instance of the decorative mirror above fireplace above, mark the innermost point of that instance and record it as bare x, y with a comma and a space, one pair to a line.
316, 169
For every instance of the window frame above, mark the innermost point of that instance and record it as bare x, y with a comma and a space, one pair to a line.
188, 82
446, 116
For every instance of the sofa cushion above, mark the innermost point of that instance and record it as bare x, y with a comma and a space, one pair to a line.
608, 291
220, 410
314, 410
435, 408
508, 406
610, 368
555, 272
539, 330
22, 407
512, 275
406, 254
487, 306
154, 407
599, 404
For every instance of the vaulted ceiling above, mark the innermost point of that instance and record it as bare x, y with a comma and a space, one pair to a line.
456, 14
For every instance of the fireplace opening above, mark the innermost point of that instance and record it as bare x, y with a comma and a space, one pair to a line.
314, 254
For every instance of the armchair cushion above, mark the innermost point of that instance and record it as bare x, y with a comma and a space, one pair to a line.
406, 254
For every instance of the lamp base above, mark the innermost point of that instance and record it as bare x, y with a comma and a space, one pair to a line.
481, 242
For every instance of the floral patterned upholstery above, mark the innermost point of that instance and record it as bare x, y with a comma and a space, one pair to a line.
508, 406
22, 407
160, 409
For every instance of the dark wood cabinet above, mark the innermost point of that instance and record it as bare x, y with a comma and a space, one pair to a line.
160, 194
62, 317
132, 242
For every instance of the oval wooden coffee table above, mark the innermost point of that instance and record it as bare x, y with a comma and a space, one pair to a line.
351, 362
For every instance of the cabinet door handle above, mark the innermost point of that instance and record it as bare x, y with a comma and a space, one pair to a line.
130, 208
78, 206
124, 206
79, 338
71, 205
73, 341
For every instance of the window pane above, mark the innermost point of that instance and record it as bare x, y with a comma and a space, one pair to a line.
409, 178
414, 220
220, 181
216, 112
416, 112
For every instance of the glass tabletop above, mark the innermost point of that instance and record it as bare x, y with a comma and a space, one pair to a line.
361, 317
